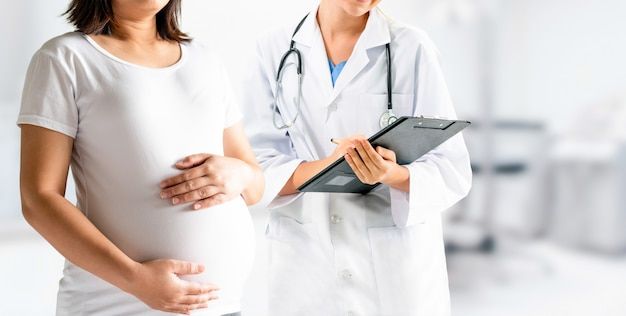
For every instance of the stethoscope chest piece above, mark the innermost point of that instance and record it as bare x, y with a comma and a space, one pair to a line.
387, 118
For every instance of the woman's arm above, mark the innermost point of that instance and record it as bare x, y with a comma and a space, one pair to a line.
236, 145
209, 180
45, 160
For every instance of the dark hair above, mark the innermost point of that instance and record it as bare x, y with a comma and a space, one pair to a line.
96, 17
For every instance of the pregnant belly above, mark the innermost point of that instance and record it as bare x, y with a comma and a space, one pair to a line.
221, 238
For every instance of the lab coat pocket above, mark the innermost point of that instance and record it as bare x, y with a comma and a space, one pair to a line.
290, 230
296, 267
410, 270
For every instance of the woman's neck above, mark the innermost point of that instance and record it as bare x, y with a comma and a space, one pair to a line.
141, 31
335, 22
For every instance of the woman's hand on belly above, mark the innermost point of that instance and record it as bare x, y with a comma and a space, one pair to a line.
157, 284
207, 180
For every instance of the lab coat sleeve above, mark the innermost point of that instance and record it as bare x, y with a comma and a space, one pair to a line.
273, 148
443, 176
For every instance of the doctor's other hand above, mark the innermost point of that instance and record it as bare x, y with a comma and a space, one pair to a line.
158, 285
373, 166
207, 180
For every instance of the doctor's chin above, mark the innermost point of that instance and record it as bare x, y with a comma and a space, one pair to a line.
313, 158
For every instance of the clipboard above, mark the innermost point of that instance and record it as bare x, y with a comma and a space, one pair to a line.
409, 137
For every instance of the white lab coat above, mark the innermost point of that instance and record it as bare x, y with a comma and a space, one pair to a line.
350, 254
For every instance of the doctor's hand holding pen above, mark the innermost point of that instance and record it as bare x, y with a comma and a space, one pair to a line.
369, 165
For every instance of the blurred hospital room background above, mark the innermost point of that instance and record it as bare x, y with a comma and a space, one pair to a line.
543, 231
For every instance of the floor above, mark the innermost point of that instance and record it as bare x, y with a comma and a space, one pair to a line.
522, 279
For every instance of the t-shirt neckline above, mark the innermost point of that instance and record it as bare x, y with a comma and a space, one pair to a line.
102, 50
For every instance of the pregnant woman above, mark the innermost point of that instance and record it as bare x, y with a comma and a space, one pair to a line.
123, 101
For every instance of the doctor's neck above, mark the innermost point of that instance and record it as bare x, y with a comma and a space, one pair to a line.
335, 21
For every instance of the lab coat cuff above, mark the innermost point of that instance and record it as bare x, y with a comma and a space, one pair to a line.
275, 178
423, 198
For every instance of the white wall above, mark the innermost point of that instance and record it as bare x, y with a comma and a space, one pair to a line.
24, 26
555, 56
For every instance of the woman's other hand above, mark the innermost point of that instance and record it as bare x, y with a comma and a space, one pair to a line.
158, 284
207, 180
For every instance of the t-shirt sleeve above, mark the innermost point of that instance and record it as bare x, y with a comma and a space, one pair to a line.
48, 96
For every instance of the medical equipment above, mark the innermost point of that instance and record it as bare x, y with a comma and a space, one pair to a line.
386, 119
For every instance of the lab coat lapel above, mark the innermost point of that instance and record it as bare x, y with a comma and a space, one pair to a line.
375, 34
316, 72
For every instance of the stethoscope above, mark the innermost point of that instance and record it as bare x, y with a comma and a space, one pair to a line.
386, 119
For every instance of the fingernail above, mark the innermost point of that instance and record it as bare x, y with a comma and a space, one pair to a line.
197, 206
175, 201
163, 195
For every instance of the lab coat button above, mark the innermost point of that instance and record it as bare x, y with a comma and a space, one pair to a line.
335, 219
346, 274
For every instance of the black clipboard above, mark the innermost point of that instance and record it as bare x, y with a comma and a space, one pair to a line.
409, 137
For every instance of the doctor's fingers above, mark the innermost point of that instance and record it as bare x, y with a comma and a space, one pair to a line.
186, 186
371, 158
197, 195
362, 162
387, 154
357, 172
358, 168
193, 173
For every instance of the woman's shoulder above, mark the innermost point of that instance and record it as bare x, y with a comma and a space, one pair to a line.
61, 45
202, 50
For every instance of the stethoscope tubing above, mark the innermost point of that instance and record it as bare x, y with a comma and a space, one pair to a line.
387, 118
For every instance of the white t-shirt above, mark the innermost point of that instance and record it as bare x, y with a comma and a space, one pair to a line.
130, 124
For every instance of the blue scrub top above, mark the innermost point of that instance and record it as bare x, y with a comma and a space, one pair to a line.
335, 70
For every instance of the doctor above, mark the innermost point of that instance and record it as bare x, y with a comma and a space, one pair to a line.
351, 254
